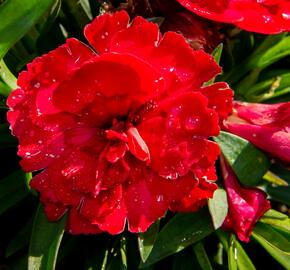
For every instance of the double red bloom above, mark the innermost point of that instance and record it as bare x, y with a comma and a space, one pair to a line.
262, 16
122, 134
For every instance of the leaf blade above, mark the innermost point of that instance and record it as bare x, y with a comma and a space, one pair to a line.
45, 241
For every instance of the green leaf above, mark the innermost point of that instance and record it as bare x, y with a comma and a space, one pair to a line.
201, 256
6, 139
17, 17
181, 231
270, 88
282, 257
183, 260
20, 240
243, 158
4, 89
6, 75
276, 219
272, 237
275, 179
243, 261
233, 254
218, 207
123, 252
12, 190
273, 48
45, 241
280, 194
146, 240
217, 53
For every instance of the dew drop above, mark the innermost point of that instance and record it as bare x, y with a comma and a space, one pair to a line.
37, 85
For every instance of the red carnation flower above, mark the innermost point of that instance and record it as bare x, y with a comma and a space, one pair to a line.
261, 16
121, 134
265, 125
246, 205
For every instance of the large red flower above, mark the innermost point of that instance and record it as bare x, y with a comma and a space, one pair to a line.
261, 16
121, 134
265, 125
246, 205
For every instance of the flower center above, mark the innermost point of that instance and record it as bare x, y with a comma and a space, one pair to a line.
121, 142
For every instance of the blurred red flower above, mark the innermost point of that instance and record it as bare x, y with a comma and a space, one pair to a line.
246, 205
199, 33
261, 16
121, 134
265, 125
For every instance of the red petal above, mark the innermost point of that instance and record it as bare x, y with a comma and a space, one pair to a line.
102, 205
100, 32
144, 205
176, 133
95, 81
115, 222
76, 224
54, 211
196, 199
257, 16
137, 145
246, 205
265, 125
220, 98
44, 72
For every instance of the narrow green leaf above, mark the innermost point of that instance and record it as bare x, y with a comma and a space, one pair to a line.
276, 86
243, 158
123, 252
279, 194
217, 53
218, 207
20, 240
86, 7
183, 260
275, 179
45, 241
6, 75
17, 17
272, 237
181, 231
201, 256
4, 89
12, 190
232, 254
146, 240
271, 50
244, 262
277, 219
282, 257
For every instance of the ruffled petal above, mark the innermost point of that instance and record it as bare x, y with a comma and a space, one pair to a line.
100, 32
77, 224
176, 132
220, 98
133, 80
